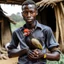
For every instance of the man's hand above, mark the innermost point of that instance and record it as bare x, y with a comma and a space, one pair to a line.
35, 54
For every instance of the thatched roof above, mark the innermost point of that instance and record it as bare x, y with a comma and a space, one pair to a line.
46, 3
19, 2
3, 16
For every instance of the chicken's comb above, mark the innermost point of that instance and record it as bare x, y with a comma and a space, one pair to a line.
26, 30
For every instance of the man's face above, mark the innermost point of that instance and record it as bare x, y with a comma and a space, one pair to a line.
29, 13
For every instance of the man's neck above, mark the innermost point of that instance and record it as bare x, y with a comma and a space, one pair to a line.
31, 26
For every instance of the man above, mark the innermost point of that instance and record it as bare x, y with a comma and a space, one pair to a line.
27, 55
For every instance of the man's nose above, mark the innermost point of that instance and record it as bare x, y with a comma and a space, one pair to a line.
29, 14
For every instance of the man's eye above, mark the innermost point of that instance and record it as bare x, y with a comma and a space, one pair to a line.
25, 12
31, 12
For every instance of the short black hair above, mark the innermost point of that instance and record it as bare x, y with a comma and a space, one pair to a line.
27, 2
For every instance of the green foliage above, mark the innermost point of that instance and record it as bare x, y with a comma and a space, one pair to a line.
61, 61
16, 17
18, 24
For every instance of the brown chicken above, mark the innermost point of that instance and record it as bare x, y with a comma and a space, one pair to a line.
31, 41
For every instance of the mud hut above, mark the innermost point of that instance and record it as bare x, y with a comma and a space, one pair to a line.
51, 13
5, 29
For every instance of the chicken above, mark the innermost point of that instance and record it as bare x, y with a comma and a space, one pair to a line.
31, 41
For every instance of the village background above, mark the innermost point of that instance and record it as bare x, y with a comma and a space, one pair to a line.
17, 17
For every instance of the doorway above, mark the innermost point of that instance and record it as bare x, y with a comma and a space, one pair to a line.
0, 35
47, 17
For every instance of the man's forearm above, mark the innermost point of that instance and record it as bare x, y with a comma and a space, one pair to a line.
16, 52
52, 56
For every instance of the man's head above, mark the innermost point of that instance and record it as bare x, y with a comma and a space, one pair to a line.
29, 2
29, 11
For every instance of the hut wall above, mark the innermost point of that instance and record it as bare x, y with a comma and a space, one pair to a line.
59, 12
6, 32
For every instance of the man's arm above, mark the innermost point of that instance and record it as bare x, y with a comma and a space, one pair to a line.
16, 52
51, 45
12, 49
55, 55
37, 54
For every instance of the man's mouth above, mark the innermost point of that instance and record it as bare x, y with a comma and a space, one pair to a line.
29, 19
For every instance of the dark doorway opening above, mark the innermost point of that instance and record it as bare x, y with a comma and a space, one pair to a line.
0, 33
47, 16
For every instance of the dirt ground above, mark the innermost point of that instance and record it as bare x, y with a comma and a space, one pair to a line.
9, 61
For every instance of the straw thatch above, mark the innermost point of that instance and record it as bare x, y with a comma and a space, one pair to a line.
19, 2
46, 3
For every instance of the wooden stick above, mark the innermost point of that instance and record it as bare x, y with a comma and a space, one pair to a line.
59, 20
57, 27
62, 7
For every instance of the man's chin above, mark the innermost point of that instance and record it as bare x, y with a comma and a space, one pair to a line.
29, 21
